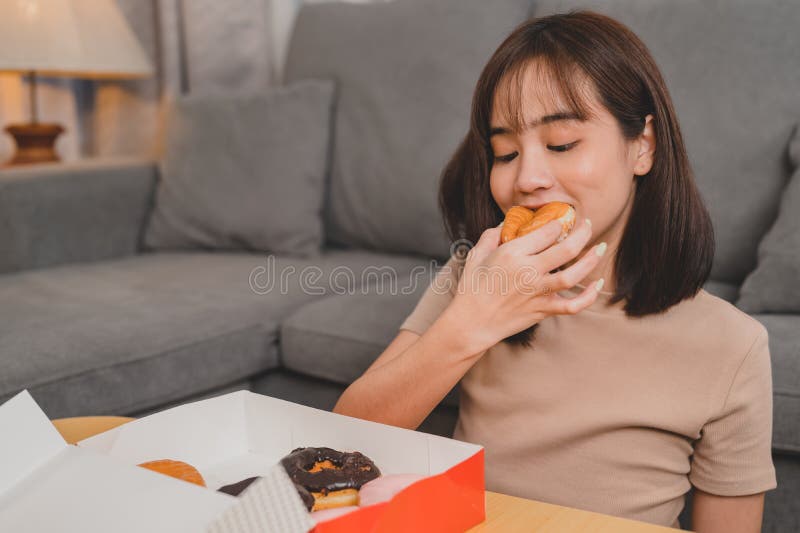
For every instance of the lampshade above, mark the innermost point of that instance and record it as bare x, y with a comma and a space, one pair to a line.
77, 38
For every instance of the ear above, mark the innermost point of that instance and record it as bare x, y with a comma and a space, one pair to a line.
646, 148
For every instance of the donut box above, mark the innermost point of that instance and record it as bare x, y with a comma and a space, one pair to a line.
242, 434
47, 485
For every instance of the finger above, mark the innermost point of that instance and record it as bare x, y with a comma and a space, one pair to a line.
537, 240
556, 304
566, 250
487, 242
577, 272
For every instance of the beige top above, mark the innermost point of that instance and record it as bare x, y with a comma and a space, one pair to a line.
620, 415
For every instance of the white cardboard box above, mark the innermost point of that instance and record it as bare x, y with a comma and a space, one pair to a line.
227, 438
47, 485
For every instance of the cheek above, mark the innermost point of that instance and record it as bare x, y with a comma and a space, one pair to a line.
588, 170
600, 184
501, 183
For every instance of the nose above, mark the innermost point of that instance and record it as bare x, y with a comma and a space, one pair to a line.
534, 174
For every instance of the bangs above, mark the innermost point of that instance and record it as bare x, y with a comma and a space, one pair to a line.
559, 85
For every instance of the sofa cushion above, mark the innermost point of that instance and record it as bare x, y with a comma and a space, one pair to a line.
784, 349
405, 73
245, 172
737, 100
127, 335
336, 338
773, 286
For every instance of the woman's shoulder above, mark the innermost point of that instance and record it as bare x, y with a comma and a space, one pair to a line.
709, 334
725, 310
713, 316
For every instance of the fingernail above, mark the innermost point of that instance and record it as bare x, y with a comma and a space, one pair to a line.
599, 284
501, 224
601, 249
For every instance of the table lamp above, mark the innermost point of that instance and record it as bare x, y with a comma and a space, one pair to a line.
75, 38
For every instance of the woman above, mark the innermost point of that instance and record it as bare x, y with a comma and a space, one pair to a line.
598, 374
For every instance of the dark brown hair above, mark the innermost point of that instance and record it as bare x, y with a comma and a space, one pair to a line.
667, 246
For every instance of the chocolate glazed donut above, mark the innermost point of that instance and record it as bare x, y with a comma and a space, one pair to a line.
326, 470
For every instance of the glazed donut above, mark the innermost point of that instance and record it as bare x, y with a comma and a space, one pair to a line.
332, 477
330, 514
520, 220
176, 469
334, 499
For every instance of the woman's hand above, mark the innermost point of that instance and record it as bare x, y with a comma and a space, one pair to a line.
507, 288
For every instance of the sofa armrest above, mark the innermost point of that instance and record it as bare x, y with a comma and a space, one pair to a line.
784, 349
91, 210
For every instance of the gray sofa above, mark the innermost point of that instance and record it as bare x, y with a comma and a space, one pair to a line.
91, 323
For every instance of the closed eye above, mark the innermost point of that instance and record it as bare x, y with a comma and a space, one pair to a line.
505, 158
562, 147
553, 148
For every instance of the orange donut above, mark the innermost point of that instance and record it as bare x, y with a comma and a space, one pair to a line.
520, 220
176, 469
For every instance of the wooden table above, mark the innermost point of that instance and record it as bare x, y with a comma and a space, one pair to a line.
508, 514
504, 514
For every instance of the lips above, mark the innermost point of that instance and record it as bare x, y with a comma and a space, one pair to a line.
540, 204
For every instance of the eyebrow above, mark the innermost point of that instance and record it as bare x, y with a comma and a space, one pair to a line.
547, 119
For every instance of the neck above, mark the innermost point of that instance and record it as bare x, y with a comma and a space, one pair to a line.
612, 236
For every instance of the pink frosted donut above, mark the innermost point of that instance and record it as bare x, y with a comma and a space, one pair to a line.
330, 514
384, 488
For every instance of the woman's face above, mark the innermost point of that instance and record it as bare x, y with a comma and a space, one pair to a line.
588, 164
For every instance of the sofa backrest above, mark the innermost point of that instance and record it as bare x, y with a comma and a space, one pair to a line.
53, 214
405, 70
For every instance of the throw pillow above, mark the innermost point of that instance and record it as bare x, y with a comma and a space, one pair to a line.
405, 73
245, 172
774, 286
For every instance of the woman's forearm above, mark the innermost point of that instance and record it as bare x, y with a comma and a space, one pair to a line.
404, 390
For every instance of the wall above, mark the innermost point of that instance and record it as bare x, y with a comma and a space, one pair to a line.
195, 45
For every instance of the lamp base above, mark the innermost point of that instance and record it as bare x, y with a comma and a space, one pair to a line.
36, 143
